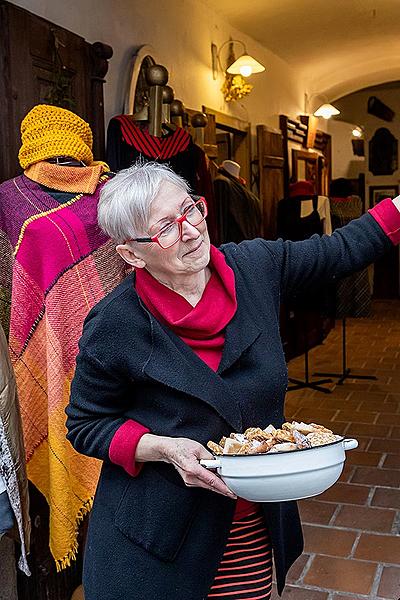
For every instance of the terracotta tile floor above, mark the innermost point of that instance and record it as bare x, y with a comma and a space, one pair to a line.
352, 531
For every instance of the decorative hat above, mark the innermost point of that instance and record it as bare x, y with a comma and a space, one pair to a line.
49, 131
232, 167
301, 188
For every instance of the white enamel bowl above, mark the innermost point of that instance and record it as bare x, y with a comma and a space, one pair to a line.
283, 476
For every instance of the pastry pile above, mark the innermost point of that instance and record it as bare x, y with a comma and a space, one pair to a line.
292, 436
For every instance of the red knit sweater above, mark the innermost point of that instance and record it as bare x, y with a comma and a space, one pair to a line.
202, 327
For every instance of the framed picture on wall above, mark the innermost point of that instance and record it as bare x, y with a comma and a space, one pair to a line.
380, 192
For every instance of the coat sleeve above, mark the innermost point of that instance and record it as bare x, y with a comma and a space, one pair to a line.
310, 263
95, 414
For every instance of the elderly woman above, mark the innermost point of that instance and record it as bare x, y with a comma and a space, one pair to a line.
185, 350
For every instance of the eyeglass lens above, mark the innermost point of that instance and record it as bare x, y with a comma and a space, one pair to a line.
195, 215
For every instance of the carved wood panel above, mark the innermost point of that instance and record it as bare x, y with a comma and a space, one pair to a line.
41, 62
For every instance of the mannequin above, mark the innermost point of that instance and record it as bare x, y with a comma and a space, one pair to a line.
239, 211
55, 265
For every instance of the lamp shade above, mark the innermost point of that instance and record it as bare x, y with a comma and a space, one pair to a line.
326, 111
245, 65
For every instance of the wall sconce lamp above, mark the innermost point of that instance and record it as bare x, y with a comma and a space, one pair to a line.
357, 132
326, 111
235, 86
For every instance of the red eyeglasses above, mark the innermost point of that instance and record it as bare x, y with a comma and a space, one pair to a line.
169, 235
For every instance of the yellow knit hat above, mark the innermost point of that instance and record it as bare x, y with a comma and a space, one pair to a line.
49, 131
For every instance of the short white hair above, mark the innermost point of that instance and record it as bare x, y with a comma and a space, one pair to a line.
125, 200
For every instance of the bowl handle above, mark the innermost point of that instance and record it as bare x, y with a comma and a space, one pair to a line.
350, 444
210, 464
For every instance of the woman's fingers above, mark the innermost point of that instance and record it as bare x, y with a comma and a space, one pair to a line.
185, 455
201, 477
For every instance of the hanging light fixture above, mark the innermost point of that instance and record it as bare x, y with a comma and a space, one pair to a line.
245, 65
326, 111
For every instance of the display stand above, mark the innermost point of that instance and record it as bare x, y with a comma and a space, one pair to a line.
307, 383
346, 371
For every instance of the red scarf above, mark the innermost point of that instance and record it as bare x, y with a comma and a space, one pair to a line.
201, 327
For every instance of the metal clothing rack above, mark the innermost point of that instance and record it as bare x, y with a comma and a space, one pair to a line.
346, 371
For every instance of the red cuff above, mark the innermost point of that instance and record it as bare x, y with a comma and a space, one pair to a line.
388, 216
123, 446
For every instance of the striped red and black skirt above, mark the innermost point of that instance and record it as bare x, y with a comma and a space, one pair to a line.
245, 571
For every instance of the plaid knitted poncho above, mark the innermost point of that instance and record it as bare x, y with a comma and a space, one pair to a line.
55, 265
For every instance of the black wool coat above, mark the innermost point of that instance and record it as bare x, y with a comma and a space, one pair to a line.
150, 537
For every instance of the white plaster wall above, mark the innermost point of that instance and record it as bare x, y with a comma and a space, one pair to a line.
181, 31
344, 163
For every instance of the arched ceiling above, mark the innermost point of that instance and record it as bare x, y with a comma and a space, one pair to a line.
337, 46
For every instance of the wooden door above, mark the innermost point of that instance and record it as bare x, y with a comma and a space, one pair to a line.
271, 176
41, 62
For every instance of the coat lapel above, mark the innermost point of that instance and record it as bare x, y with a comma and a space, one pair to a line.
174, 364
242, 331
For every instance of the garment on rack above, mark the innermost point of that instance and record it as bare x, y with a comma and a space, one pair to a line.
128, 141
238, 209
353, 293
307, 318
14, 499
67, 179
55, 265
301, 217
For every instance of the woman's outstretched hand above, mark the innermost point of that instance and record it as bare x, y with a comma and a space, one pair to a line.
184, 454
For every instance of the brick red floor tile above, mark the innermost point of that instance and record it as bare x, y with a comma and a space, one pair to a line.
341, 574
313, 511
379, 548
347, 493
367, 459
346, 597
338, 427
388, 419
386, 498
296, 593
391, 446
395, 433
330, 541
347, 473
392, 461
390, 583
380, 477
367, 429
358, 416
318, 415
365, 518
373, 398
393, 397
297, 569
339, 403
381, 406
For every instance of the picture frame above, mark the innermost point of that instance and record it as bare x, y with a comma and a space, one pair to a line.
380, 192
